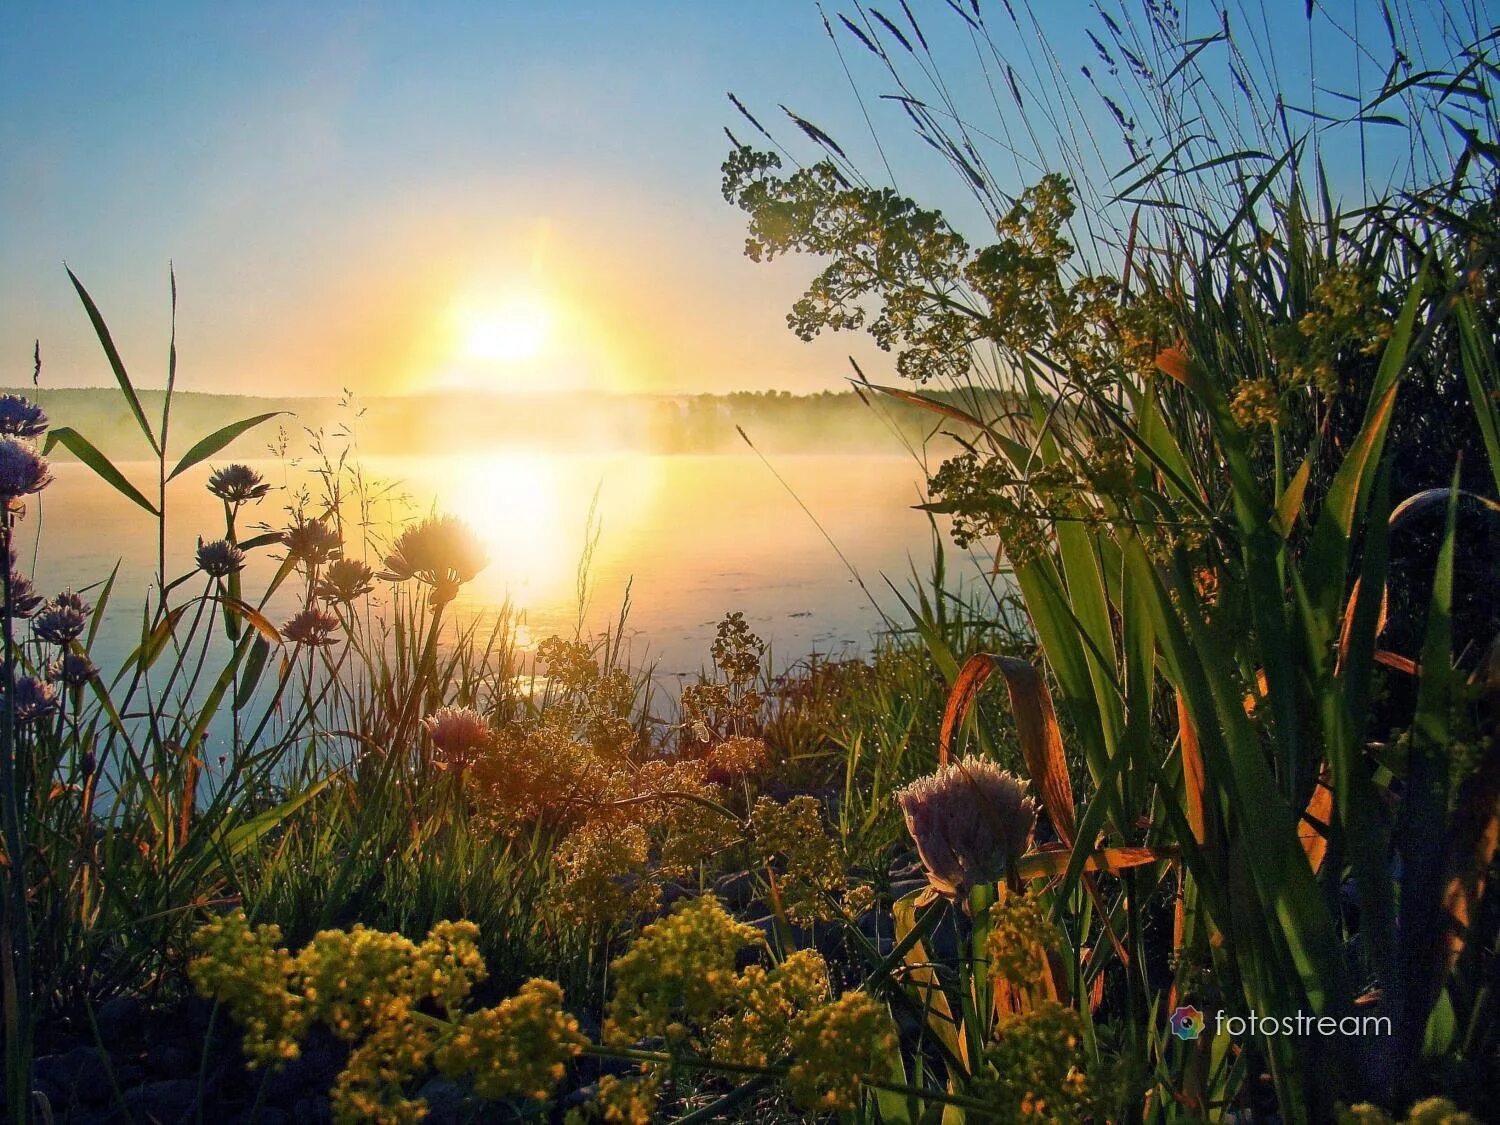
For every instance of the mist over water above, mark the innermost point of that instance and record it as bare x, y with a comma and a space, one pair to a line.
691, 536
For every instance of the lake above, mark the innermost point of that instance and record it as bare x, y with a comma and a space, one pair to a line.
692, 536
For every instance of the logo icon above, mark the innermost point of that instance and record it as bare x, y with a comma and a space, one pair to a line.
1187, 1022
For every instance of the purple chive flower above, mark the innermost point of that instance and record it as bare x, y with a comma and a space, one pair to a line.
73, 669
61, 620
33, 699
459, 733
314, 628
22, 469
24, 600
345, 580
237, 484
312, 541
21, 417
219, 559
970, 820
441, 552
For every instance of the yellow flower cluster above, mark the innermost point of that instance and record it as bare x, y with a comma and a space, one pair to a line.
366, 985
371, 1087
448, 964
859, 899
1347, 313
628, 1101
595, 698
680, 970
835, 1045
1430, 1111
248, 972
605, 879
755, 1029
351, 977
1033, 1064
1020, 934
811, 869
737, 758
1256, 403
517, 1048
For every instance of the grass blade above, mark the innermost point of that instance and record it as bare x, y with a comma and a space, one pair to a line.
116, 364
80, 446
217, 440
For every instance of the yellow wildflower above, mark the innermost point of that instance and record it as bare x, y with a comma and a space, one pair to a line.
812, 868
371, 1087
248, 972
1256, 403
517, 1048
1033, 1064
349, 977
682, 967
1439, 1111
755, 1029
629, 1101
1020, 934
448, 964
605, 874
834, 1046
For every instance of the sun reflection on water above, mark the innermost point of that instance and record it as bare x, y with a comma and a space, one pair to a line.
535, 513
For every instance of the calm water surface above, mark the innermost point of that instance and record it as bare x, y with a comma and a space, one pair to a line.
693, 537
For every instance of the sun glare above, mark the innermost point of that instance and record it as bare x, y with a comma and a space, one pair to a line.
510, 331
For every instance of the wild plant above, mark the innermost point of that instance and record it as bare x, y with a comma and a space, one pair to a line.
1185, 396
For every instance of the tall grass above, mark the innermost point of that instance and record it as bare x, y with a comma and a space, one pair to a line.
318, 802
1230, 384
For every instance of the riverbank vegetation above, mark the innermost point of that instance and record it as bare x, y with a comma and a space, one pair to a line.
1235, 446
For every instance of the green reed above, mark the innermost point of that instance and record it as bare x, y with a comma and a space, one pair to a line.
1227, 392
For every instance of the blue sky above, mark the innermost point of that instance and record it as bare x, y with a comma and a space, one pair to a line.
334, 180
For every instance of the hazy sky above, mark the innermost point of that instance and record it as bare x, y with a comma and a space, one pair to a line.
398, 196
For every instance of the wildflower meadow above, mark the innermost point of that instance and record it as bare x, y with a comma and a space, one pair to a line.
1214, 749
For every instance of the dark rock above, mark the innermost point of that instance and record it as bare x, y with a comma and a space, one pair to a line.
118, 1019
167, 1101
312, 1072
448, 1103
312, 1111
673, 893
196, 1011
170, 1060
266, 1115
79, 1074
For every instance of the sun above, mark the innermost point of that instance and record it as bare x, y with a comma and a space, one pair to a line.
512, 330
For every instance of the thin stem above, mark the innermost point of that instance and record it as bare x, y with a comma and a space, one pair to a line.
17, 936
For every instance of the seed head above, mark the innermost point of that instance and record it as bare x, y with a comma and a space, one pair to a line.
20, 417
220, 559
459, 733
345, 580
22, 469
237, 484
970, 820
